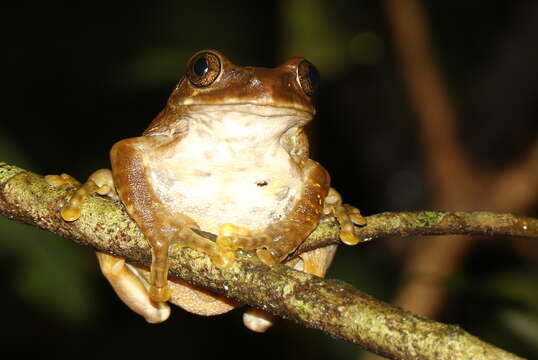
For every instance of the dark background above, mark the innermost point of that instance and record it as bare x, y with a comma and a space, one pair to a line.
77, 78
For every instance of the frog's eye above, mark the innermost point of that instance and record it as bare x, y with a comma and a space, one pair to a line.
203, 69
308, 77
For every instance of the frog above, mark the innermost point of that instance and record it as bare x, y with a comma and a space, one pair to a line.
227, 155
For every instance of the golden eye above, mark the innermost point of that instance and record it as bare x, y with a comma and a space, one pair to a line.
308, 77
203, 69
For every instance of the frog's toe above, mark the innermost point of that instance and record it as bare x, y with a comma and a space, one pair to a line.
347, 229
266, 256
355, 215
104, 182
62, 179
223, 259
159, 293
100, 182
71, 212
349, 237
231, 236
346, 216
258, 320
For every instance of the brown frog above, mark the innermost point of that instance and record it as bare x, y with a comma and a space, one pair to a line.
227, 155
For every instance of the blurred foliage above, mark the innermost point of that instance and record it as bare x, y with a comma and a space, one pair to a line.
311, 32
79, 76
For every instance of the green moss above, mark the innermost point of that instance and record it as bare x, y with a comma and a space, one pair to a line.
427, 218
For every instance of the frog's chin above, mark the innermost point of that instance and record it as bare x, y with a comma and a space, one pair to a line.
245, 122
240, 118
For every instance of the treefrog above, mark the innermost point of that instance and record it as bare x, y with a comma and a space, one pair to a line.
226, 155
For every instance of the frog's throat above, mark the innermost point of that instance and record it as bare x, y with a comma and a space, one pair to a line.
178, 120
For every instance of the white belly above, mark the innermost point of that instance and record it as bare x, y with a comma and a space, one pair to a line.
251, 192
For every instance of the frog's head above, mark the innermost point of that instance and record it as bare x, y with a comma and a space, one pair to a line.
213, 83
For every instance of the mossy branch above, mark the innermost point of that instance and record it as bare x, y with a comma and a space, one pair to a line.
329, 305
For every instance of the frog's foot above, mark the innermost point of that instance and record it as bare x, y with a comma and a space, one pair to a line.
317, 261
199, 301
62, 179
346, 216
258, 320
220, 257
132, 284
233, 237
177, 231
100, 182
132, 288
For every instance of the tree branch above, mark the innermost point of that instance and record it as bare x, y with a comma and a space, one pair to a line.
329, 305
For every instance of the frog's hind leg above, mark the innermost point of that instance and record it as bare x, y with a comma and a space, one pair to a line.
315, 262
193, 298
318, 261
131, 284
132, 288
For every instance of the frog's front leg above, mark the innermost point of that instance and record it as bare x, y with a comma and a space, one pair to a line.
132, 284
125, 280
274, 242
277, 240
160, 227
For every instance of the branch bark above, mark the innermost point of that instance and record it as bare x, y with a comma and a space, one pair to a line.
329, 305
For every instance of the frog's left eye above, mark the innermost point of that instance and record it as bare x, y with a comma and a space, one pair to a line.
308, 77
203, 69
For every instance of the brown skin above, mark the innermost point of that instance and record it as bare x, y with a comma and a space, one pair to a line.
133, 159
226, 155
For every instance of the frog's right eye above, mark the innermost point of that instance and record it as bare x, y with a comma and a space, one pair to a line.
308, 77
203, 69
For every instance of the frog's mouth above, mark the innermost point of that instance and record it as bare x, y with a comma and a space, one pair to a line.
260, 104
256, 109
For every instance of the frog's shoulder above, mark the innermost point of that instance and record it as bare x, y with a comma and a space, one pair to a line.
295, 142
169, 122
